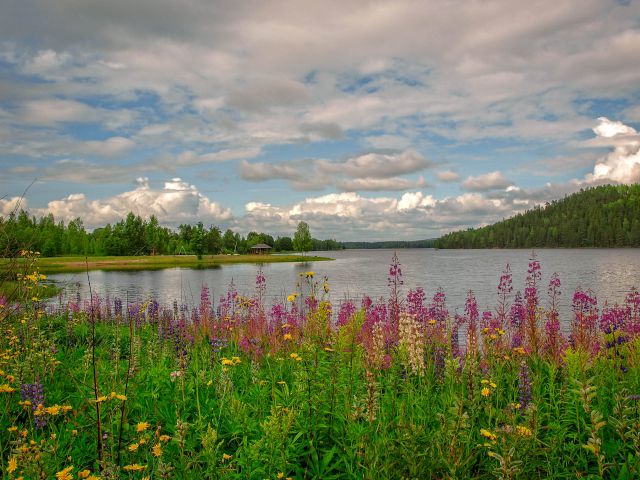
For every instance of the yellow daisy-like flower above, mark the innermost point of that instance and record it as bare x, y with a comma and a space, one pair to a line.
133, 447
485, 392
280, 475
309, 274
292, 298
65, 474
13, 465
164, 438
134, 467
157, 450
84, 474
493, 385
287, 336
121, 397
226, 361
226, 457
142, 426
236, 360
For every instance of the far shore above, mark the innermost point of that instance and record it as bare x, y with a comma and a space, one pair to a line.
52, 265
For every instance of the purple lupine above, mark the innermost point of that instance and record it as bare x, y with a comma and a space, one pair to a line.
205, 302
153, 311
117, 307
218, 344
632, 307
34, 392
524, 385
394, 281
455, 340
347, 310
584, 325
437, 309
415, 304
504, 289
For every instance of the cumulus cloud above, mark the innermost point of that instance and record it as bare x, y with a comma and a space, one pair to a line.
12, 205
448, 176
622, 164
177, 202
370, 171
488, 181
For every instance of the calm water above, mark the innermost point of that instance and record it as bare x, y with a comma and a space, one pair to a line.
610, 273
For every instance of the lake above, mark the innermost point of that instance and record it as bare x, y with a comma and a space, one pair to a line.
610, 273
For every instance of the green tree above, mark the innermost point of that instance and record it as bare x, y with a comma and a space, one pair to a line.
302, 238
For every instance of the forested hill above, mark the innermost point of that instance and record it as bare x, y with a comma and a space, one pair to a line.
606, 216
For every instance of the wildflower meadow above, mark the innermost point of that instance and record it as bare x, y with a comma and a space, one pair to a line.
300, 387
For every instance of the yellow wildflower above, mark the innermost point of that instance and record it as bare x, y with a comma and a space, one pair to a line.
121, 397
165, 438
226, 457
93, 477
142, 426
84, 474
53, 410
280, 475
65, 474
485, 392
134, 467
523, 431
487, 434
101, 399
13, 465
236, 360
493, 385
133, 447
157, 450
287, 336
12, 429
292, 298
226, 361
5, 388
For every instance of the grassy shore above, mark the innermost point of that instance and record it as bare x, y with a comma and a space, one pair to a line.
77, 264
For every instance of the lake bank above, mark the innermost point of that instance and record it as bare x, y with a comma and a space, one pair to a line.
50, 265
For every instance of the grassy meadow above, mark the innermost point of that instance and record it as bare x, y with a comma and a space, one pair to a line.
396, 387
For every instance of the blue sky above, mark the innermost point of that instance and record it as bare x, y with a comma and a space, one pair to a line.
369, 120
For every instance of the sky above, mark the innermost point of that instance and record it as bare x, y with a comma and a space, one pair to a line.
369, 120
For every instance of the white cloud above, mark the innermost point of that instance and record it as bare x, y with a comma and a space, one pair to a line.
177, 202
621, 165
448, 176
488, 181
12, 205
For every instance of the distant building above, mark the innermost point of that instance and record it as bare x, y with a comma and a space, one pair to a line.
260, 249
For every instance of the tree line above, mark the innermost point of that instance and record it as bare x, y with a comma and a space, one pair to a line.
135, 235
605, 216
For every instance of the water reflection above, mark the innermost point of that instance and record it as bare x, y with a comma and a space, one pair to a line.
610, 273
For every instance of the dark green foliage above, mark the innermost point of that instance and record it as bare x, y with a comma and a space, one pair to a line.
606, 216
131, 236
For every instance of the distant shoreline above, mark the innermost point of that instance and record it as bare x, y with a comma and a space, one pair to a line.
52, 265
